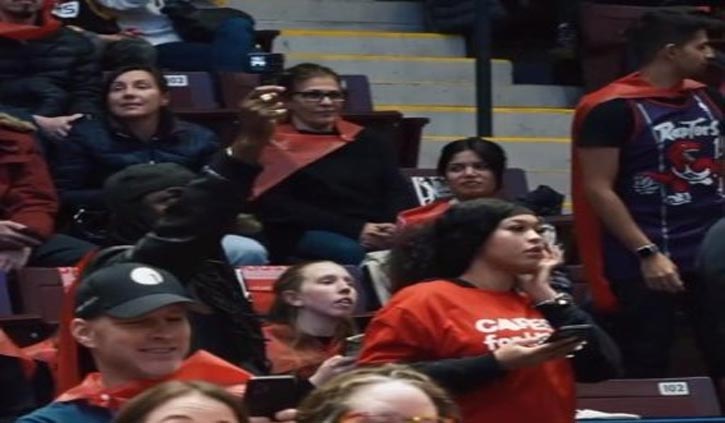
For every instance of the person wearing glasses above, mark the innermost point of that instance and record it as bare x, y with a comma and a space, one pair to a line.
330, 189
473, 309
387, 394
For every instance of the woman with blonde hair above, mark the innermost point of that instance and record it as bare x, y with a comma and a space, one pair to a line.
192, 401
386, 394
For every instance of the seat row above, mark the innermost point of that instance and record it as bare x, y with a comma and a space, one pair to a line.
212, 99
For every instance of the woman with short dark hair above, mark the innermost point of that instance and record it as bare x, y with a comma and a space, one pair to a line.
330, 189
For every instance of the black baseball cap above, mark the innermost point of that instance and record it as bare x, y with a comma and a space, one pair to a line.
129, 290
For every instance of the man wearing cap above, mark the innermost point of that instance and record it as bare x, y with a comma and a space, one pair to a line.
132, 315
133, 319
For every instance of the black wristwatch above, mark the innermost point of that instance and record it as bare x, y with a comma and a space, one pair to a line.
647, 251
560, 300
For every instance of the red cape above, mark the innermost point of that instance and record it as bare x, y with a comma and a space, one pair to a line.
68, 371
290, 151
10, 349
423, 214
32, 32
586, 224
200, 366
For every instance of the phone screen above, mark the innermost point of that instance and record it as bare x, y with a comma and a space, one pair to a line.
267, 395
572, 331
353, 345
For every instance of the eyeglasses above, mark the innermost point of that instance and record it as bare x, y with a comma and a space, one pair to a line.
358, 417
317, 95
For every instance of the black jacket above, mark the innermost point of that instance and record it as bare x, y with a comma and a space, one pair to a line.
97, 148
187, 243
353, 185
53, 76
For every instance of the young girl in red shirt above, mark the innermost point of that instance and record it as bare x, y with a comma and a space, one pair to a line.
309, 320
471, 309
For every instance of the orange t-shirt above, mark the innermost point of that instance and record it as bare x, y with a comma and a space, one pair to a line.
289, 355
441, 319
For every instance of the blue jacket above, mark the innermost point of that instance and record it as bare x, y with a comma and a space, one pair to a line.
96, 149
67, 412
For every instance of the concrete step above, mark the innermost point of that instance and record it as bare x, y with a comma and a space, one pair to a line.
334, 14
446, 94
393, 69
369, 43
507, 122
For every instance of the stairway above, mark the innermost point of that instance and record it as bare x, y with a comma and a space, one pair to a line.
423, 74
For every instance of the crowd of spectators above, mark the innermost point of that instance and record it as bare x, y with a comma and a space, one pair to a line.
157, 214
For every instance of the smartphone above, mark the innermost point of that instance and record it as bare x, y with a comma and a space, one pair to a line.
572, 331
353, 345
267, 395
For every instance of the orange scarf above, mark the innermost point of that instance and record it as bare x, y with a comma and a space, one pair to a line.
586, 223
290, 151
200, 366
32, 32
10, 349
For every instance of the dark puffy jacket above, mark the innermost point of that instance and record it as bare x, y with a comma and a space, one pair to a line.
95, 149
52, 76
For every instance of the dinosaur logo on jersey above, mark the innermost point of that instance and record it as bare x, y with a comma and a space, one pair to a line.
686, 169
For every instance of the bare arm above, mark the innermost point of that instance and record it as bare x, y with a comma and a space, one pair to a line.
599, 169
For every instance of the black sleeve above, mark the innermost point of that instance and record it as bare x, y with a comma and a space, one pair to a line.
398, 194
600, 358
717, 97
454, 374
73, 166
86, 83
191, 230
609, 124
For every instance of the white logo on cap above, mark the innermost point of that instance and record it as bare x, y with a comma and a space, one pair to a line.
146, 276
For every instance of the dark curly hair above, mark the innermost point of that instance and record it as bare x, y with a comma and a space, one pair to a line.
445, 248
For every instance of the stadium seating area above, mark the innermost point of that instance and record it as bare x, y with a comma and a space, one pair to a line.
416, 89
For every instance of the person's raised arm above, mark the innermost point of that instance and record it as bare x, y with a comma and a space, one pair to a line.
192, 228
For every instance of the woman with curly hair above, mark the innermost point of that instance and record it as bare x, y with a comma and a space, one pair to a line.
473, 303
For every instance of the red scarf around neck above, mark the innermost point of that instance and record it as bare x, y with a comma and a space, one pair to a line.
586, 223
200, 366
291, 150
21, 32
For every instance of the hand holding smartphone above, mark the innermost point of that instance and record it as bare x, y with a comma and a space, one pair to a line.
267, 395
353, 345
582, 332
